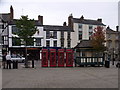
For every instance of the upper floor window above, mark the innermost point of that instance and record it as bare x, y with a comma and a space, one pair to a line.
116, 44
90, 27
38, 41
80, 35
55, 43
69, 35
109, 36
14, 29
80, 26
62, 34
2, 26
55, 34
47, 43
69, 44
47, 34
16, 41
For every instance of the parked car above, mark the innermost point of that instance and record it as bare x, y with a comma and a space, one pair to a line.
18, 58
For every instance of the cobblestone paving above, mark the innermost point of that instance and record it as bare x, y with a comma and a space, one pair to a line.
76, 77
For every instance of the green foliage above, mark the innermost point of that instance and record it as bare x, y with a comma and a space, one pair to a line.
16, 41
26, 29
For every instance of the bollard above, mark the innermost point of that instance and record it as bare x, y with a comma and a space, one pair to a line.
32, 63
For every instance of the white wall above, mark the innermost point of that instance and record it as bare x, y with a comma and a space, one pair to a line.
119, 15
85, 33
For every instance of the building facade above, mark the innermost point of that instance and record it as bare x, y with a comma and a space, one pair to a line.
5, 18
112, 43
47, 36
83, 28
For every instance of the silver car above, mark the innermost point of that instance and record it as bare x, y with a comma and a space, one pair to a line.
18, 58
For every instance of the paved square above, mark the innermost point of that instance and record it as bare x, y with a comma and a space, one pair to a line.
76, 77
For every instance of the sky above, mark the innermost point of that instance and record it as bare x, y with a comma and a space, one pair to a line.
55, 12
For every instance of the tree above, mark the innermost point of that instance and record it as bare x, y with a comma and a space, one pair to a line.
26, 29
98, 39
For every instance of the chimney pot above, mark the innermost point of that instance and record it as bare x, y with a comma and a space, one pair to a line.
117, 28
40, 18
100, 20
64, 24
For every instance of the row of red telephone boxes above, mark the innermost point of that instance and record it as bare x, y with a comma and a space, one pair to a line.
60, 58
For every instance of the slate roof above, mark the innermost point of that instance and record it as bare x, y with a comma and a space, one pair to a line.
109, 30
57, 28
87, 21
47, 27
12, 22
5, 17
84, 44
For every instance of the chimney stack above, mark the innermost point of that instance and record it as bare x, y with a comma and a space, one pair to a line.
70, 21
40, 19
117, 28
11, 13
64, 24
82, 17
99, 20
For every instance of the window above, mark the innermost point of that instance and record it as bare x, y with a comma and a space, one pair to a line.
62, 34
16, 41
116, 44
14, 29
62, 39
90, 27
109, 44
69, 39
80, 26
109, 36
47, 43
80, 35
68, 35
47, 34
83, 54
2, 26
69, 43
55, 34
38, 41
55, 43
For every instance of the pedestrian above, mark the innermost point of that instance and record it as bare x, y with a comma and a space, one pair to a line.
113, 61
15, 62
4, 61
8, 58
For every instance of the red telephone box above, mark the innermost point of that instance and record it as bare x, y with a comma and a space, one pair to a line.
52, 57
61, 60
44, 57
69, 58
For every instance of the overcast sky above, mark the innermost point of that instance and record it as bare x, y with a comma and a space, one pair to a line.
55, 12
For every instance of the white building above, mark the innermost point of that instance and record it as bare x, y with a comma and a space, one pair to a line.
119, 15
83, 28
47, 36
5, 18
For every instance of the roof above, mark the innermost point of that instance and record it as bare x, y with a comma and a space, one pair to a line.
5, 17
87, 21
57, 28
37, 23
84, 44
47, 27
109, 30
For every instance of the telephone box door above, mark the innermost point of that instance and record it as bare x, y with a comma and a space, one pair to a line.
69, 58
44, 57
61, 60
52, 57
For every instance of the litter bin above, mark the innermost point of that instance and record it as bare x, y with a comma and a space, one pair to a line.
107, 64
